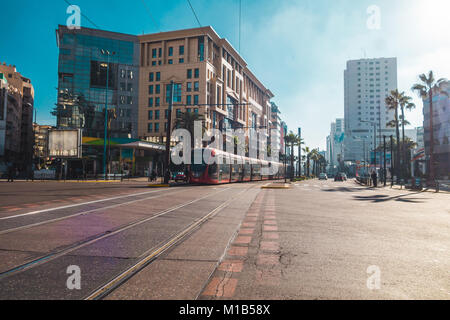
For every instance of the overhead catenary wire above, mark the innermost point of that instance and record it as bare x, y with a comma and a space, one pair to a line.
84, 16
193, 11
150, 14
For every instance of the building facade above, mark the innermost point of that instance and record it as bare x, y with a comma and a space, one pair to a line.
41, 143
441, 131
210, 78
367, 83
83, 90
16, 118
275, 127
335, 145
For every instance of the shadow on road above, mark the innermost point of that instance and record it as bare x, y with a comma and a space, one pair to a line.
384, 198
342, 189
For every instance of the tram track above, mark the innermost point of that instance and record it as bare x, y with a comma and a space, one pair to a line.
85, 242
152, 254
86, 212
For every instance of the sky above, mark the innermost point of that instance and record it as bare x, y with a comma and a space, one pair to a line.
297, 48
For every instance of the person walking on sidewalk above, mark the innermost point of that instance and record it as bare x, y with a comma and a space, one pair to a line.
374, 178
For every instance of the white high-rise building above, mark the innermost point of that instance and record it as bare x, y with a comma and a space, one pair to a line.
367, 83
335, 145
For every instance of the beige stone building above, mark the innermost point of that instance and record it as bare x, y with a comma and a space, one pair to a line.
16, 131
210, 78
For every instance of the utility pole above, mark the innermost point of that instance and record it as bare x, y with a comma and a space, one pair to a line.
168, 136
384, 166
300, 152
392, 161
108, 54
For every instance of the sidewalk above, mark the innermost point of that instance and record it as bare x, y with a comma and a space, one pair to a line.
442, 188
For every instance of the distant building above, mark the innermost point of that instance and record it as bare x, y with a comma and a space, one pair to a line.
367, 83
335, 145
441, 131
82, 73
275, 126
16, 118
41, 143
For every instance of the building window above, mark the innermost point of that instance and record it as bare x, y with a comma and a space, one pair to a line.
196, 86
150, 77
189, 73
159, 52
181, 51
176, 93
189, 86
150, 102
158, 89
153, 53
157, 115
156, 127
181, 60
196, 110
150, 89
157, 102
188, 100
170, 61
150, 115
158, 76
166, 114
153, 63
196, 99
150, 127
197, 73
170, 51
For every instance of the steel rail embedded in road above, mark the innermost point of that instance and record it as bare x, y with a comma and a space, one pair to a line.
83, 213
116, 282
75, 205
67, 249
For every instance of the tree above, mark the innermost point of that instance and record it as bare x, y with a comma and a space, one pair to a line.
292, 140
186, 120
307, 152
393, 102
425, 89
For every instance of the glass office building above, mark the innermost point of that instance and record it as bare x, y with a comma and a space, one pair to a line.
83, 69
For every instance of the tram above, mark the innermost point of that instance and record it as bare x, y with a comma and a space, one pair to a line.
233, 168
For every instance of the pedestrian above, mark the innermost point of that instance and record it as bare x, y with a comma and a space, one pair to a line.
153, 176
374, 178
11, 173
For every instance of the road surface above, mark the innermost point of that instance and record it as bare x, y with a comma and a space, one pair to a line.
317, 240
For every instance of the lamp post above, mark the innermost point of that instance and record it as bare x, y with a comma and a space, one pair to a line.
107, 54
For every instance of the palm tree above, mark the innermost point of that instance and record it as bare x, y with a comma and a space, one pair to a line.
186, 120
315, 156
425, 89
405, 103
393, 102
307, 151
292, 140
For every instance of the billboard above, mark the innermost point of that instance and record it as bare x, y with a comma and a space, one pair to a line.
64, 143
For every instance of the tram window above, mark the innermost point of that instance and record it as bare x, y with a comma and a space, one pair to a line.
212, 170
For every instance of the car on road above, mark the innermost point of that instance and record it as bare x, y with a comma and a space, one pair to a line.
179, 176
323, 176
340, 177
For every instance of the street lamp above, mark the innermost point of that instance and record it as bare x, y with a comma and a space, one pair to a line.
107, 54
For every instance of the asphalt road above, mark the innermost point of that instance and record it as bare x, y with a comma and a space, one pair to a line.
317, 240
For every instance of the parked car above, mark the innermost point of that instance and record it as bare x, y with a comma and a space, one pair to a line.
323, 176
340, 177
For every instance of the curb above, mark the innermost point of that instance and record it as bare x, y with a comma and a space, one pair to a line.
273, 186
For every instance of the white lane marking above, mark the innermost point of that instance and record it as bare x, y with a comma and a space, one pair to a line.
83, 213
76, 205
